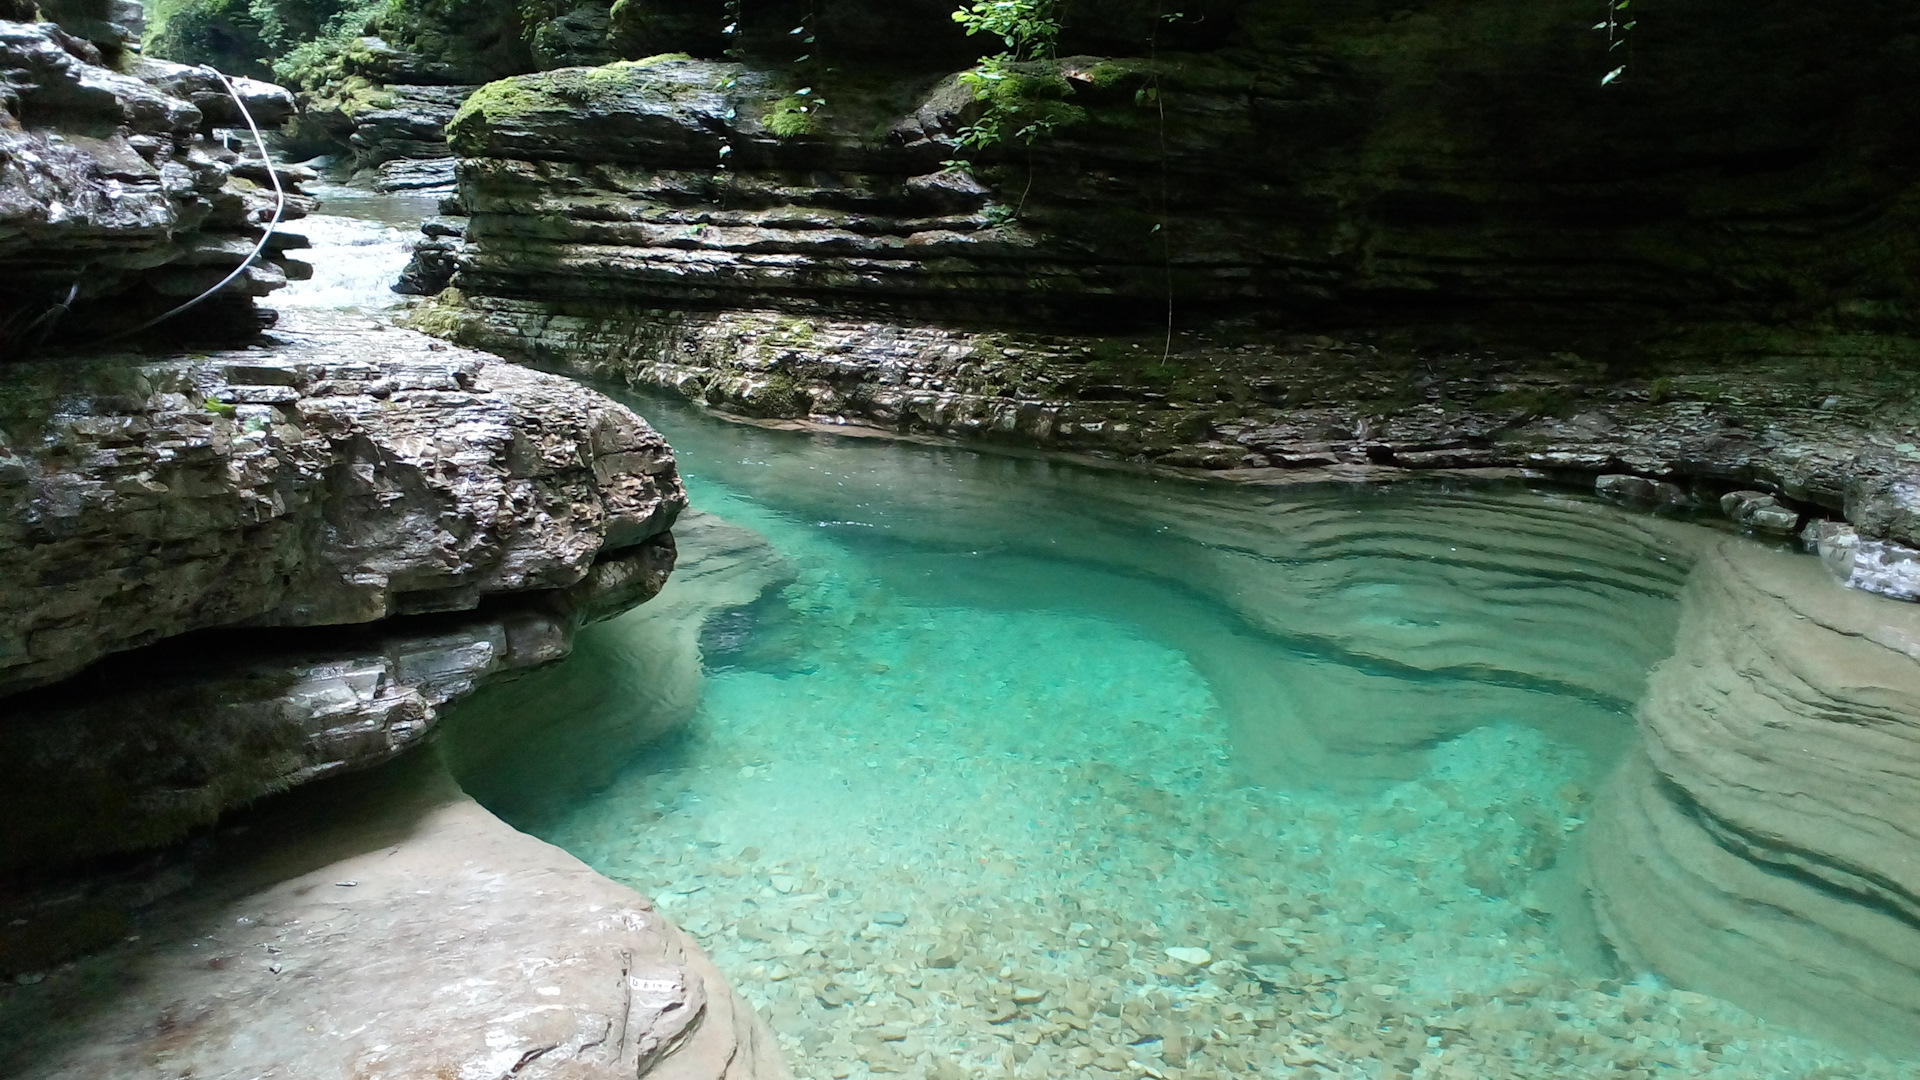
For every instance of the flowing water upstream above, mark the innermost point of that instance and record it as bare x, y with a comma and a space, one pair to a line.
969, 764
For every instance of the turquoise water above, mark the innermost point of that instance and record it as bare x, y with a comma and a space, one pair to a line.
971, 765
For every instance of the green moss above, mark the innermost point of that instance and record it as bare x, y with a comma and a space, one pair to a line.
567, 89
442, 316
781, 396
219, 408
791, 116
1105, 74
794, 330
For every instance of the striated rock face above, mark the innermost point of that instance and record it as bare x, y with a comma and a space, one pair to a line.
392, 127
151, 745
632, 682
1325, 165
119, 197
1764, 845
646, 220
1822, 440
356, 478
346, 476
388, 928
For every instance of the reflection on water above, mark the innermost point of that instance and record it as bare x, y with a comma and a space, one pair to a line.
988, 766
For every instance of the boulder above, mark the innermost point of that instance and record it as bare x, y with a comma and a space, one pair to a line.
350, 475
1875, 566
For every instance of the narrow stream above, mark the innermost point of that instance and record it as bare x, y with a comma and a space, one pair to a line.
969, 764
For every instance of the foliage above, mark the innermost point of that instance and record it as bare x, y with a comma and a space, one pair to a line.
1618, 26
1030, 29
223, 33
307, 55
264, 38
1022, 106
1021, 103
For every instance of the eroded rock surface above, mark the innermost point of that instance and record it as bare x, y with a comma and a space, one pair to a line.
119, 196
350, 474
634, 681
390, 928
1764, 845
657, 221
150, 745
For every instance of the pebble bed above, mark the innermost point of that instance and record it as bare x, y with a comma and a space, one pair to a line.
957, 842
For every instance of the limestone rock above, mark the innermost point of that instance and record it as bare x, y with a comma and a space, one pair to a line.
110, 183
1760, 512
350, 475
1762, 844
1638, 490
633, 681
394, 929
1875, 566
153, 744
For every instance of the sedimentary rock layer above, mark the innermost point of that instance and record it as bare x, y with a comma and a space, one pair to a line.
349, 475
386, 928
117, 201
1764, 844
660, 221
146, 746
1836, 438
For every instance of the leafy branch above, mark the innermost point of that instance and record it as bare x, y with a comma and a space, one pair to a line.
1020, 106
1618, 26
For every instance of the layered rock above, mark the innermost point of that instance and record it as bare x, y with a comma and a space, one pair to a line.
634, 682
1326, 165
777, 240
388, 927
1763, 844
349, 475
119, 196
352, 476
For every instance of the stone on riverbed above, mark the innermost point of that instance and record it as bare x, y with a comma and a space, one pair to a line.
1875, 566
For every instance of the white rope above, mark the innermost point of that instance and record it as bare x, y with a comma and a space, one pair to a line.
279, 208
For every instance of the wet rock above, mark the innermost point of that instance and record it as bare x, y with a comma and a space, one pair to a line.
156, 743
1760, 847
349, 476
1875, 566
1760, 512
118, 178
1193, 957
433, 938
1631, 489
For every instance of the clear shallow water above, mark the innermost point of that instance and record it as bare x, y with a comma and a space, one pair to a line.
949, 760
1001, 740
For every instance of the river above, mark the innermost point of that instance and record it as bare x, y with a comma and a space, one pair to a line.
981, 764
